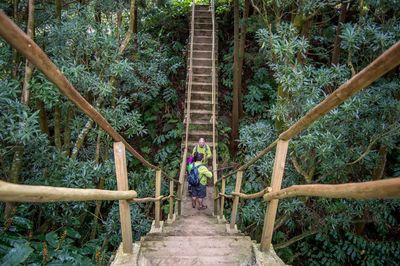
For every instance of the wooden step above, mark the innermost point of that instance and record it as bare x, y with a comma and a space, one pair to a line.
202, 46
201, 54
201, 78
202, 62
201, 70
202, 32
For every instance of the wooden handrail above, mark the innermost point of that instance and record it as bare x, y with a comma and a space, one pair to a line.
380, 66
147, 199
379, 189
10, 192
256, 195
27, 47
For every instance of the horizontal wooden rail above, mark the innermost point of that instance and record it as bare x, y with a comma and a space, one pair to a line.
228, 196
380, 189
380, 66
10, 192
27, 47
259, 194
148, 199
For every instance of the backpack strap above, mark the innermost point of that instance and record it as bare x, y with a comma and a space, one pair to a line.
197, 146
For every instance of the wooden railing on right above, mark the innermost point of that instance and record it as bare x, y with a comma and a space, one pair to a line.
388, 188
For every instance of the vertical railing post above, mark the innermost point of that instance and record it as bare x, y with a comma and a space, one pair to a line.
277, 175
158, 205
122, 184
238, 186
222, 199
171, 200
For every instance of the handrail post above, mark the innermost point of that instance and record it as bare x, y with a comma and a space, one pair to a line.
239, 177
222, 199
171, 200
122, 184
157, 204
277, 175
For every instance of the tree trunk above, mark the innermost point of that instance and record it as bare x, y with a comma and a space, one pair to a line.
16, 165
130, 30
57, 127
81, 138
377, 175
67, 129
236, 86
28, 66
42, 117
58, 9
338, 40
242, 42
15, 52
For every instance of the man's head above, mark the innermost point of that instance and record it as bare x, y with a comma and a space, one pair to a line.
202, 142
198, 157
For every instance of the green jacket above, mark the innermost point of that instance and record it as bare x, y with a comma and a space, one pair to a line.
206, 151
204, 173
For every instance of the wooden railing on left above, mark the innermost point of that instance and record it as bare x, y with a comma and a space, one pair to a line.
25, 193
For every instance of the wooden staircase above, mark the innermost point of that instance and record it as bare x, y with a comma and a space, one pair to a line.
196, 238
201, 92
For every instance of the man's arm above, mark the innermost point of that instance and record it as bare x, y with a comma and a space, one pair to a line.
204, 170
208, 151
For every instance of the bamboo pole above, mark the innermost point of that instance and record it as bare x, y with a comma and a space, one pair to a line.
380, 66
239, 177
379, 189
122, 184
277, 175
148, 199
158, 205
10, 192
27, 47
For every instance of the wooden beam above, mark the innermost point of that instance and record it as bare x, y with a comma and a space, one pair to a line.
10, 192
235, 205
380, 189
277, 175
158, 205
28, 48
380, 66
122, 184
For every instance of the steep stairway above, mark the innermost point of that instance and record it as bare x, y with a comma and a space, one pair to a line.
196, 238
201, 93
